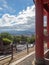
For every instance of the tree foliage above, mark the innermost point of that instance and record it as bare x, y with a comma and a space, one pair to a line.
17, 39
6, 41
6, 35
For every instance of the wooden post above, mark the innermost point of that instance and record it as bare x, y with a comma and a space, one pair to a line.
12, 51
48, 28
39, 48
27, 48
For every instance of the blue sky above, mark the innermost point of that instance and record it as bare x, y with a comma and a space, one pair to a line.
17, 14
13, 7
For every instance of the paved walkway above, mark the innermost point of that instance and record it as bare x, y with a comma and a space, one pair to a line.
27, 60
16, 57
23, 58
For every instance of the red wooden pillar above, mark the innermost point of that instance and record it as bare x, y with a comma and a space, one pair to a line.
48, 28
39, 48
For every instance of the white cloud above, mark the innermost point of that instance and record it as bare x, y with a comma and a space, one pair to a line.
24, 21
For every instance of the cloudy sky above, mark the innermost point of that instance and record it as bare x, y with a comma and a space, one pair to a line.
17, 14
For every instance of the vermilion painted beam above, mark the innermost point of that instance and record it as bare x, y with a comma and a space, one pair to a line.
39, 30
48, 27
45, 1
46, 38
45, 12
39, 47
45, 27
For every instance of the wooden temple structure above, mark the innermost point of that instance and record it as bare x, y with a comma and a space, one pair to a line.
42, 9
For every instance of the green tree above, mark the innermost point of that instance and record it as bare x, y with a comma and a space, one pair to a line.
23, 38
28, 39
16, 40
6, 35
32, 39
